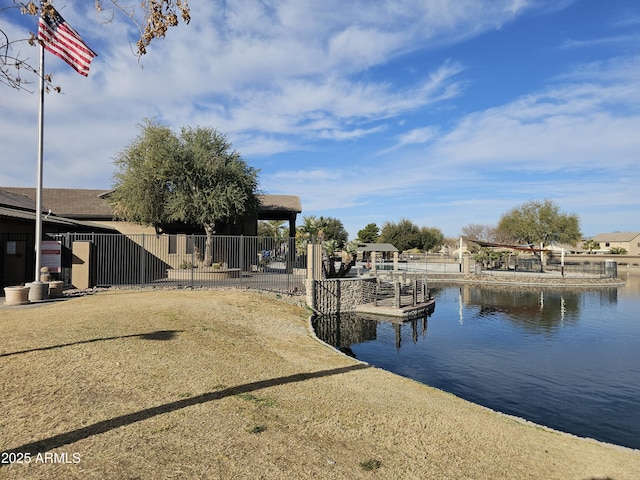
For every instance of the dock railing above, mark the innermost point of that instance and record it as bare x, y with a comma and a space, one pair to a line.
401, 290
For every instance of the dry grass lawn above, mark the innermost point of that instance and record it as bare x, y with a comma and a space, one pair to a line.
231, 385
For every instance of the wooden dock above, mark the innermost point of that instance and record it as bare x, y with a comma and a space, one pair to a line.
403, 298
387, 307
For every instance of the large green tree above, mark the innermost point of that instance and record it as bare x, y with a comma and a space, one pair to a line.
369, 234
194, 178
143, 179
406, 235
431, 238
403, 235
540, 223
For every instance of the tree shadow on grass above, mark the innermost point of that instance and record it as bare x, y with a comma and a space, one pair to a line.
104, 426
162, 335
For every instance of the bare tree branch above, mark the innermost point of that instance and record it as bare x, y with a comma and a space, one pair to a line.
153, 18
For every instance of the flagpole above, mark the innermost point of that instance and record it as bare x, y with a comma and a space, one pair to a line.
56, 36
37, 291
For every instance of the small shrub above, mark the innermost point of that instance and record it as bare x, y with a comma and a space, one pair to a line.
371, 464
257, 429
186, 265
257, 400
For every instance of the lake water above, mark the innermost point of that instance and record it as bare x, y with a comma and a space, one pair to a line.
565, 358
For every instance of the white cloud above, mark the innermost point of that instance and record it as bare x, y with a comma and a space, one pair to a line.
328, 83
576, 126
571, 143
416, 136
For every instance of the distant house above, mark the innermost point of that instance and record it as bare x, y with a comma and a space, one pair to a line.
630, 241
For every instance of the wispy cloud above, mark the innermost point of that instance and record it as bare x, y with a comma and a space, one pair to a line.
416, 136
606, 41
366, 110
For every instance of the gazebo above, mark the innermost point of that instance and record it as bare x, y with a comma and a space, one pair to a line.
370, 251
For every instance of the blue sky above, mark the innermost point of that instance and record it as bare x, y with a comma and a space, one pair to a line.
443, 112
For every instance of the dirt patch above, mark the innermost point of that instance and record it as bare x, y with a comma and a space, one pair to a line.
230, 384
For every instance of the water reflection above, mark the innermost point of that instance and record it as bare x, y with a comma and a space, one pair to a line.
538, 311
562, 357
341, 330
534, 309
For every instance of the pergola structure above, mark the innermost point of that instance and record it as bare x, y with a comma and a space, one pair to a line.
378, 248
280, 207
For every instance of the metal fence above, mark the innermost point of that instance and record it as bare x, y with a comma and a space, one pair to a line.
422, 263
606, 269
179, 260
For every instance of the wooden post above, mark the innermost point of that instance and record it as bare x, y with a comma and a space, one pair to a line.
314, 261
375, 297
414, 287
396, 287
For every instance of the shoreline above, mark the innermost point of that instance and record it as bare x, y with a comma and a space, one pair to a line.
535, 281
516, 418
234, 384
516, 280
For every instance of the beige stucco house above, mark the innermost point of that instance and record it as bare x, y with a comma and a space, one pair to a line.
85, 211
630, 241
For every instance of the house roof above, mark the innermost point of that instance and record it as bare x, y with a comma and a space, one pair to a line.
48, 219
288, 203
21, 207
15, 200
376, 247
616, 237
81, 203
71, 202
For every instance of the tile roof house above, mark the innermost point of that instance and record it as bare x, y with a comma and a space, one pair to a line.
18, 212
92, 205
630, 241
88, 211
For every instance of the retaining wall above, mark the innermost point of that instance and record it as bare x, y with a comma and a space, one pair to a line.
340, 295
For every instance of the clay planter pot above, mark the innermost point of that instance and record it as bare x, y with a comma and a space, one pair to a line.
38, 291
55, 289
16, 295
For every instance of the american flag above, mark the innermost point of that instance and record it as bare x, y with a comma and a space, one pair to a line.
59, 38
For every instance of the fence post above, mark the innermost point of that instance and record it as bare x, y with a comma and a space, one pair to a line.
142, 250
193, 260
241, 242
424, 290
414, 286
289, 265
